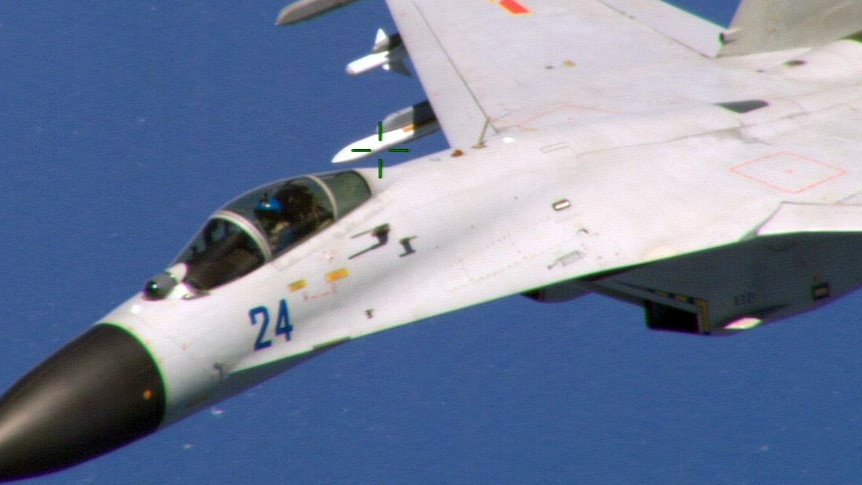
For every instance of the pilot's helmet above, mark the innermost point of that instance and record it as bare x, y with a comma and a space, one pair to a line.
269, 209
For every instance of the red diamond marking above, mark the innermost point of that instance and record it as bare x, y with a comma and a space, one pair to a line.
788, 172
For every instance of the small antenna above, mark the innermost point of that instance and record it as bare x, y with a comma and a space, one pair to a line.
481, 143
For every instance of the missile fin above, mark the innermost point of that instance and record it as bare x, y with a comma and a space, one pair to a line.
399, 67
381, 41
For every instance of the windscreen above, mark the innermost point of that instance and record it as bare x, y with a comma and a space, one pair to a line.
221, 252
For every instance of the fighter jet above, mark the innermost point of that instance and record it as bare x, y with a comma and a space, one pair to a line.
624, 147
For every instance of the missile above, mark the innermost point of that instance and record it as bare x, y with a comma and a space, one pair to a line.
418, 114
401, 127
388, 52
307, 9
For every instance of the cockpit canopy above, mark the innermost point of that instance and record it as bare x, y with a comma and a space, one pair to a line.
260, 225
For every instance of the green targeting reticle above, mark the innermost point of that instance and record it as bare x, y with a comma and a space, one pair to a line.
380, 160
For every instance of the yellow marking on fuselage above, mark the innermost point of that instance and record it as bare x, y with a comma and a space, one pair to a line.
337, 275
297, 285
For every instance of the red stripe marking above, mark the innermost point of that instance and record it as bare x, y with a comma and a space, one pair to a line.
514, 7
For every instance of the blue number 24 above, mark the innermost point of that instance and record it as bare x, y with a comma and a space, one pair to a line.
282, 324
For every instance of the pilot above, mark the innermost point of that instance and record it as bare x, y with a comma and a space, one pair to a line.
273, 217
290, 215
305, 215
298, 204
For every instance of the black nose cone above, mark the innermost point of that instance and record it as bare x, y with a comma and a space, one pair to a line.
100, 392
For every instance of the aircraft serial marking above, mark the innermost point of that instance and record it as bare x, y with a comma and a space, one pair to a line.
260, 315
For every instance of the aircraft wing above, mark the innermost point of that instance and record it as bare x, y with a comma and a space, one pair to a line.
504, 65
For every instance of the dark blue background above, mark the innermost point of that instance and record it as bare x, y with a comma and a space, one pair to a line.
123, 125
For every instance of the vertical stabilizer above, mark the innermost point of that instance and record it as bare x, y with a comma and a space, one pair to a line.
771, 25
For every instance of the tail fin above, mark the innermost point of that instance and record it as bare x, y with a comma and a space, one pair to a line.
771, 25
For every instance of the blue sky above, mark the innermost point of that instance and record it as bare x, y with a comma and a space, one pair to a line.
124, 125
